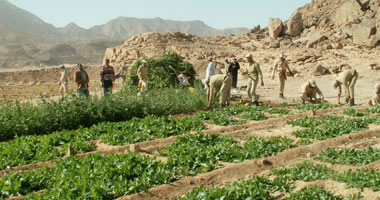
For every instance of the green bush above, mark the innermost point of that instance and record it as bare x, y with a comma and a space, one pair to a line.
160, 74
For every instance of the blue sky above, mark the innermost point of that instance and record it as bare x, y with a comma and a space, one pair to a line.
216, 13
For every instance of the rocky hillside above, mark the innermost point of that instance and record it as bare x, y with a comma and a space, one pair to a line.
333, 21
308, 38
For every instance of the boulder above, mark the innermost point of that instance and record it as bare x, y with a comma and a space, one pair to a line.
319, 70
363, 31
295, 25
348, 11
274, 27
315, 38
373, 41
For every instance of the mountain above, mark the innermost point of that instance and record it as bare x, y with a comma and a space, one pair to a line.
27, 40
126, 27
75, 32
21, 20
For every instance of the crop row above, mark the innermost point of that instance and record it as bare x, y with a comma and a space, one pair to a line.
31, 149
201, 152
307, 171
328, 126
348, 156
106, 177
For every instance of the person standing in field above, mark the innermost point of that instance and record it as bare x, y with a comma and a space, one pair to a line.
348, 79
142, 73
234, 69
226, 64
280, 66
63, 81
107, 77
254, 73
81, 78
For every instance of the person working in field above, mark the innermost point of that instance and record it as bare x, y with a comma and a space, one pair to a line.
219, 83
254, 73
309, 92
348, 79
63, 81
234, 69
82, 79
375, 101
142, 73
107, 77
280, 67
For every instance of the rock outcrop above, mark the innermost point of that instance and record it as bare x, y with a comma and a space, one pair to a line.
274, 27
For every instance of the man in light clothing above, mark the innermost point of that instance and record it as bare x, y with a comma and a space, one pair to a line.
376, 96
142, 73
280, 67
210, 71
348, 79
219, 83
309, 92
254, 73
63, 81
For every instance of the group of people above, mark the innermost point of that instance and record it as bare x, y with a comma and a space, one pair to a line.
223, 83
82, 79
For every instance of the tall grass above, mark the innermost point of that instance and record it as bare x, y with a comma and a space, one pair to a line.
17, 119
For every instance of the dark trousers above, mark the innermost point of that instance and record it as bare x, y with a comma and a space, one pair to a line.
107, 87
234, 80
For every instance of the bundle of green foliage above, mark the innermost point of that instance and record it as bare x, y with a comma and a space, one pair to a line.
160, 74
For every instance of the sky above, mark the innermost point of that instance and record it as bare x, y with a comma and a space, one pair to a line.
219, 14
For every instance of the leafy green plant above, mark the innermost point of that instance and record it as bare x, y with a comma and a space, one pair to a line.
320, 106
312, 193
218, 118
255, 188
257, 147
331, 126
200, 152
90, 177
352, 112
347, 156
31, 149
309, 122
360, 179
256, 116
305, 171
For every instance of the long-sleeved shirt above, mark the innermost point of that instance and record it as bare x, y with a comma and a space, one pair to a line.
234, 70
107, 73
254, 71
280, 66
210, 71
308, 90
63, 78
142, 72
